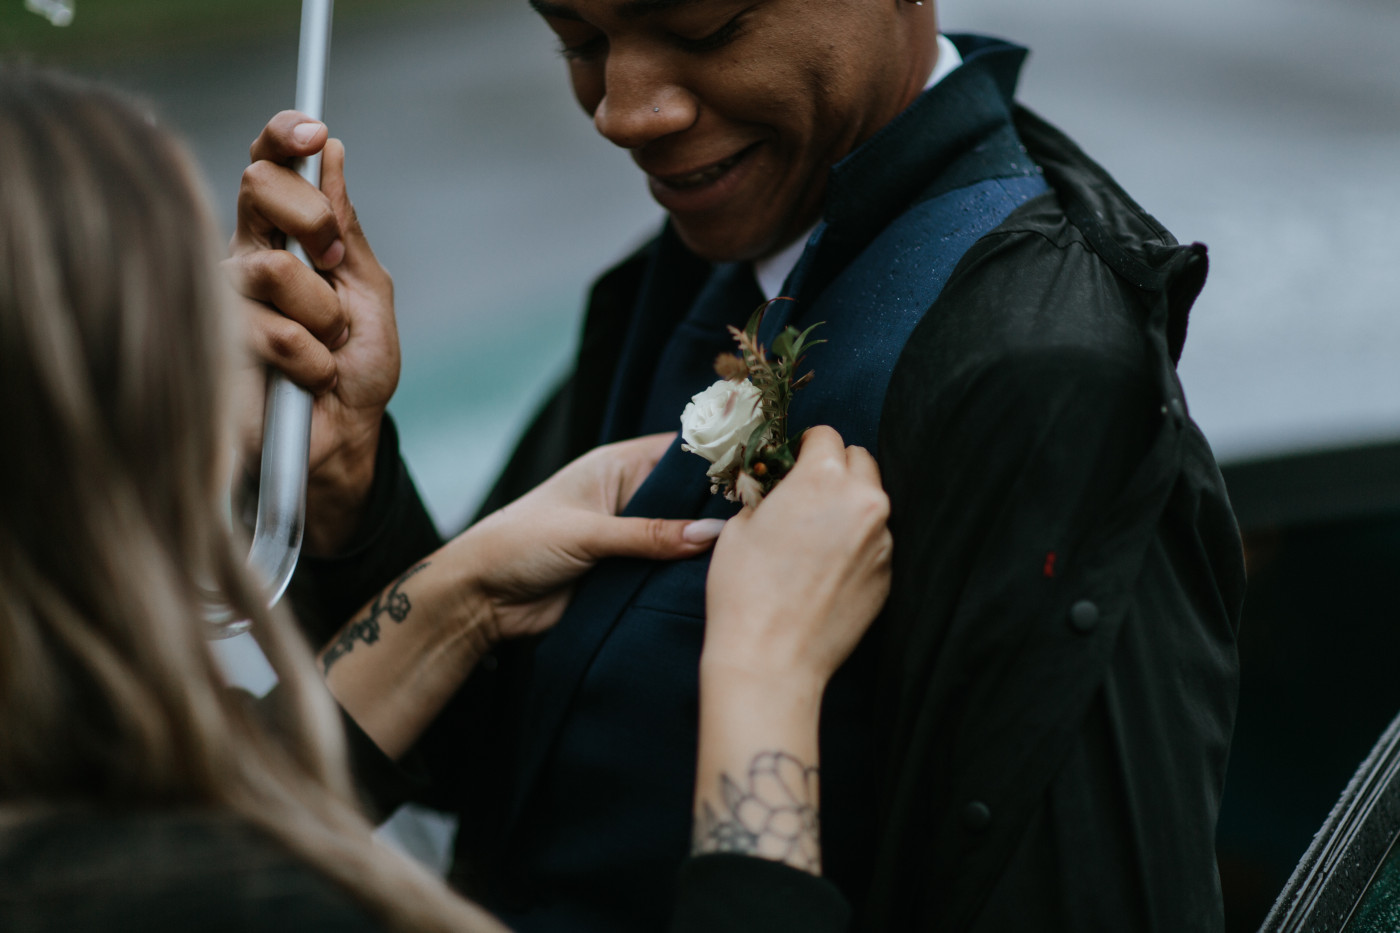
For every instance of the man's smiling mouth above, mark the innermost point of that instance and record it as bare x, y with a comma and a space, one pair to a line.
704, 176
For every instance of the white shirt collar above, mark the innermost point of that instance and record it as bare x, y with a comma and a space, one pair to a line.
773, 271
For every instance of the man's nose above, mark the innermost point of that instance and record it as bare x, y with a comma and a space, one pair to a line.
641, 102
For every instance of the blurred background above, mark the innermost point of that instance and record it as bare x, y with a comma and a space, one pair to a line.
1268, 129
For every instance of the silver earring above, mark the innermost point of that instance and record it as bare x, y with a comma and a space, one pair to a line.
656, 110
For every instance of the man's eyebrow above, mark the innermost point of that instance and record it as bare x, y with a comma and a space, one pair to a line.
636, 9
631, 9
555, 10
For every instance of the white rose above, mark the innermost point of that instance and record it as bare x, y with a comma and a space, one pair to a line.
718, 421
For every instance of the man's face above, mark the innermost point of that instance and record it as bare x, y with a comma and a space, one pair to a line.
737, 109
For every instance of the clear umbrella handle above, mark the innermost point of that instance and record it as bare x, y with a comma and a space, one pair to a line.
281, 513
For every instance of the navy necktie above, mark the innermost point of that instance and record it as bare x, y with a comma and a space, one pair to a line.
687, 363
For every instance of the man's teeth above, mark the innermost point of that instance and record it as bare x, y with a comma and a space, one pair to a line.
696, 179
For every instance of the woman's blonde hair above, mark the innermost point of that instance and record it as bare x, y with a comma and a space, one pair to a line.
114, 374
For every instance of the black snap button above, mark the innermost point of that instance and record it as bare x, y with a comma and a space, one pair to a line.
1083, 616
1177, 409
977, 816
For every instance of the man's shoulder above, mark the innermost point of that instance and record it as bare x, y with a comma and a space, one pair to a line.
1081, 271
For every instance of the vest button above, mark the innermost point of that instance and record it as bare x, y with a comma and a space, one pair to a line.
1083, 616
977, 816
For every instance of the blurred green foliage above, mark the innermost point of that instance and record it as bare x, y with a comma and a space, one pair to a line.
117, 29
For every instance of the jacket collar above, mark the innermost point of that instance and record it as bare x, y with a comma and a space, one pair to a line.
887, 173
956, 133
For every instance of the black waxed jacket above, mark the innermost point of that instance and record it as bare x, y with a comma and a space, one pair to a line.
1058, 672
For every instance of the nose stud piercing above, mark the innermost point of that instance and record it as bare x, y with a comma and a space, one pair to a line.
656, 110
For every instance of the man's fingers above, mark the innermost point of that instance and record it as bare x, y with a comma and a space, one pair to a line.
291, 348
273, 200
279, 279
355, 247
287, 136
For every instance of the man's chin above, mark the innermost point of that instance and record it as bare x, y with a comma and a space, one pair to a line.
716, 242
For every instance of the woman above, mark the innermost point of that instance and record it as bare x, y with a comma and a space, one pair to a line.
135, 791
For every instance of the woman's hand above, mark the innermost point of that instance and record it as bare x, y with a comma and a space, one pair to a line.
795, 583
394, 666
527, 555
793, 586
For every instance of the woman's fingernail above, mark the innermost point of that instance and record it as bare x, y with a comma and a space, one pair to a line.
339, 342
303, 133
703, 531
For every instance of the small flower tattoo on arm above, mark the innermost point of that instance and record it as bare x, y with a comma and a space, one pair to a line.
772, 813
391, 602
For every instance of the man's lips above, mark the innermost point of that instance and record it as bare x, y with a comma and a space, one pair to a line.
697, 178
703, 189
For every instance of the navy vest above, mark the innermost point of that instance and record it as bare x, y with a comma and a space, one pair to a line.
601, 816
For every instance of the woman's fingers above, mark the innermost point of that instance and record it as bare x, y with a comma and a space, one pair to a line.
650, 538
796, 581
820, 443
642, 453
607, 478
862, 465
642, 458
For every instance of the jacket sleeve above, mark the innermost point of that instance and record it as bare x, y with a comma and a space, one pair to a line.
1060, 650
746, 894
396, 531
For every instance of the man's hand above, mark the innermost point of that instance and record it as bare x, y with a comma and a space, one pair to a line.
330, 329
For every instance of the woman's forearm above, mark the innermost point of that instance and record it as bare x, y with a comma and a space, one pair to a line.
400, 659
756, 788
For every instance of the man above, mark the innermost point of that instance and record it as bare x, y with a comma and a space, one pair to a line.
1034, 735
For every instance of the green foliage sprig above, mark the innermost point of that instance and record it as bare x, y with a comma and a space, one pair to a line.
770, 452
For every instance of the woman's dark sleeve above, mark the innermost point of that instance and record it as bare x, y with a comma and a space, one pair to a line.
327, 592
743, 893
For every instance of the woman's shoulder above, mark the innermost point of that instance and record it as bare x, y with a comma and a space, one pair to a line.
160, 870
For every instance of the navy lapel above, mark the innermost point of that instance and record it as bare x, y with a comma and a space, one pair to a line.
870, 310
669, 288
677, 488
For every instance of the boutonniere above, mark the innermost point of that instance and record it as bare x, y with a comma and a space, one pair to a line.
740, 424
